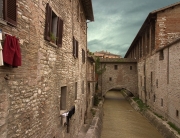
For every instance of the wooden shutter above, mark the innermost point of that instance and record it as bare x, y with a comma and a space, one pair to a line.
74, 46
77, 49
48, 22
59, 32
10, 11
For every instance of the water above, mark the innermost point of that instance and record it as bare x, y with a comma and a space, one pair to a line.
122, 121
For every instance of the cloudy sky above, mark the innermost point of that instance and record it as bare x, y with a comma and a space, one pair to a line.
118, 21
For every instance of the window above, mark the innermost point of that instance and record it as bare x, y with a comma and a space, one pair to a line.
88, 87
9, 11
53, 27
63, 98
110, 79
177, 113
151, 79
161, 102
157, 83
161, 55
75, 48
130, 67
115, 67
83, 56
154, 97
75, 91
82, 87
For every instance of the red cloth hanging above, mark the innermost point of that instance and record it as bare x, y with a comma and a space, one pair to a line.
17, 54
11, 51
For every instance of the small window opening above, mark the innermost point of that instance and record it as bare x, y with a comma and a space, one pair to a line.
151, 79
161, 102
154, 98
177, 113
157, 83
130, 67
63, 98
110, 79
115, 67
75, 90
82, 87
75, 48
161, 55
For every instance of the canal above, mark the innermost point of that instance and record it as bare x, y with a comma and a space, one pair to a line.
122, 121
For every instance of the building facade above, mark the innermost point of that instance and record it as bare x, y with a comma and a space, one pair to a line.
156, 47
46, 41
120, 73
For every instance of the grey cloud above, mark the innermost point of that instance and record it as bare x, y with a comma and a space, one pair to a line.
118, 22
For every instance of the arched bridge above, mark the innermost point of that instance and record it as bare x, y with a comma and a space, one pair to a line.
120, 73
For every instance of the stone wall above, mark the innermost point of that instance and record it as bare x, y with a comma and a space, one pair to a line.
30, 94
124, 76
162, 77
95, 128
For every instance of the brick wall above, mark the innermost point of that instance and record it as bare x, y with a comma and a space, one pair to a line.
31, 93
167, 26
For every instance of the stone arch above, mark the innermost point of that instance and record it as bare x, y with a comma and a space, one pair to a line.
118, 87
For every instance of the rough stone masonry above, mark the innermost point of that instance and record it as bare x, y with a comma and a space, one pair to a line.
31, 95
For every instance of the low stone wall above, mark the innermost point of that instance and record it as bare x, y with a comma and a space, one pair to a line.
162, 126
94, 130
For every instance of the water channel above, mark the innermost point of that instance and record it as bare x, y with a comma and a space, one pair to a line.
122, 121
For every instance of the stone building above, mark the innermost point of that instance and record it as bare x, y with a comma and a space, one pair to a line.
50, 77
120, 73
157, 47
105, 54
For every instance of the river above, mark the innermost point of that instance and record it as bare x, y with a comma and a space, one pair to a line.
122, 121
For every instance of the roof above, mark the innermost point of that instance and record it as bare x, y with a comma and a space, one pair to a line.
105, 53
118, 60
150, 17
87, 5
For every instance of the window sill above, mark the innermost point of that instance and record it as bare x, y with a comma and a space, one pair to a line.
3, 22
53, 44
